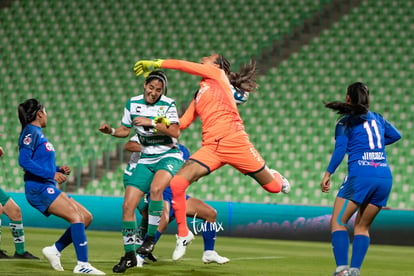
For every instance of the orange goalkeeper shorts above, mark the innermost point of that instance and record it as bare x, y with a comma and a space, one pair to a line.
235, 150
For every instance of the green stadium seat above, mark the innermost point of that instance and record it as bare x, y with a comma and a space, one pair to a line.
79, 57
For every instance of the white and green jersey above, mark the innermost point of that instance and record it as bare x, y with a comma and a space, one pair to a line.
155, 145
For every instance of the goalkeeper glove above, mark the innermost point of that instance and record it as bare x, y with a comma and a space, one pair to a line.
146, 66
162, 120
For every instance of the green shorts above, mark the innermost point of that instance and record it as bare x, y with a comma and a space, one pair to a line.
141, 176
3, 197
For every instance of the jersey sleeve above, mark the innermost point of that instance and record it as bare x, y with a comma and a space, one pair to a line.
198, 69
341, 144
27, 145
391, 133
188, 116
126, 118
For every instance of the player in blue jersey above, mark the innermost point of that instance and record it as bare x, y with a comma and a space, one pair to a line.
363, 135
196, 209
9, 207
41, 176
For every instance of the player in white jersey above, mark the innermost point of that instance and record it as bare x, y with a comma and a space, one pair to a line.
155, 120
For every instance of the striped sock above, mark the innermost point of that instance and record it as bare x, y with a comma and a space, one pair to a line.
129, 229
154, 216
17, 230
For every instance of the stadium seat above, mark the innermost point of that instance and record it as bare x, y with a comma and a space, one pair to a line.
77, 58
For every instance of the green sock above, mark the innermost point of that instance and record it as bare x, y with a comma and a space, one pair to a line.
154, 216
129, 229
17, 230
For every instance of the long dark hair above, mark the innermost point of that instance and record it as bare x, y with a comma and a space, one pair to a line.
245, 79
27, 111
359, 105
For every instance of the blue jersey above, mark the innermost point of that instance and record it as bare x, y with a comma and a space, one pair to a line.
364, 139
37, 156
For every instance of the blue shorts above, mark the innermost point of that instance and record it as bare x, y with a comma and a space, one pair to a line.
362, 190
41, 195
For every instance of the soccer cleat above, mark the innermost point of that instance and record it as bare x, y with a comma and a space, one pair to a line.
147, 246
211, 256
181, 245
87, 268
343, 272
151, 257
53, 255
25, 255
140, 261
3, 255
353, 271
285, 185
127, 261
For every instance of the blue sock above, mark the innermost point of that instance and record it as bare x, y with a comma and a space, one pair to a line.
359, 250
209, 236
64, 240
340, 247
157, 236
79, 241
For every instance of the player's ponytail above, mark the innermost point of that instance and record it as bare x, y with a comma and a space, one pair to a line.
358, 104
356, 107
245, 79
27, 111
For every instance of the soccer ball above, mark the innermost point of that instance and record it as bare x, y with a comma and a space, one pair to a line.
240, 96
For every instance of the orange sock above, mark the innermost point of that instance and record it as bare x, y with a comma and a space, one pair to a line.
275, 186
178, 186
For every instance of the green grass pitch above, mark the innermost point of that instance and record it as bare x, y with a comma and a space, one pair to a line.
248, 256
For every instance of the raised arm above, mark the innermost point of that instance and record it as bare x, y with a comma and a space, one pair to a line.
188, 116
198, 69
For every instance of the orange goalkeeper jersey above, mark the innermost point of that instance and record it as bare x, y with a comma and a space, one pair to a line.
213, 103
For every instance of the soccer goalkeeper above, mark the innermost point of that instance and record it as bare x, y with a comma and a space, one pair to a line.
224, 138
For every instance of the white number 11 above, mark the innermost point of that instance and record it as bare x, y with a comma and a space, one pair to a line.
370, 136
